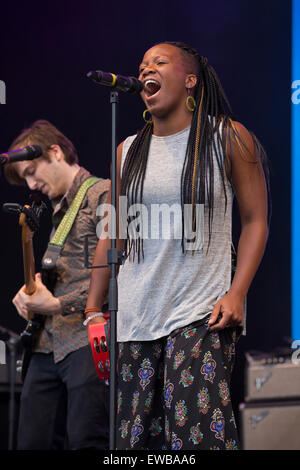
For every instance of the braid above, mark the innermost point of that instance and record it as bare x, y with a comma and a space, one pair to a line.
133, 176
211, 130
197, 184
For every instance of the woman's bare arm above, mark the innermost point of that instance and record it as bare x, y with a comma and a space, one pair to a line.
250, 188
99, 283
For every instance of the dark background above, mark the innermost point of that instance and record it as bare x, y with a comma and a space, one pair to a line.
46, 49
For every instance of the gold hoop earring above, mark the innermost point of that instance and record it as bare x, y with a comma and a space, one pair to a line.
190, 103
144, 117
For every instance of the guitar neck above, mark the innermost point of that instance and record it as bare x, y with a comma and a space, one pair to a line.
28, 258
29, 267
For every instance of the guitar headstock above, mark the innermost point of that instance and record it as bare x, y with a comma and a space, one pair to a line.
30, 217
29, 214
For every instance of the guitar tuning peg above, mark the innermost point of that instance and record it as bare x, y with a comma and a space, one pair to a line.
12, 207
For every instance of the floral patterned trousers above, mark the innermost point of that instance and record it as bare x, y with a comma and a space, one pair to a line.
173, 393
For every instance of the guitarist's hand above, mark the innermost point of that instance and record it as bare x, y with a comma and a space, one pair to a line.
42, 301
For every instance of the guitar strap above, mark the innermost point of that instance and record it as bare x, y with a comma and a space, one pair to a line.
48, 264
99, 333
57, 242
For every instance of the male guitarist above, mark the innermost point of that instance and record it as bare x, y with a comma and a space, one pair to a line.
64, 404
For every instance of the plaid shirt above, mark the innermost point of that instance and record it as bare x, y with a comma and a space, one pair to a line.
65, 333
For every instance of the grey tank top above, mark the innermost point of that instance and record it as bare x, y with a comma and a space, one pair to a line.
168, 289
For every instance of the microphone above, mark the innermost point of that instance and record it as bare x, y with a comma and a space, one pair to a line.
127, 84
26, 153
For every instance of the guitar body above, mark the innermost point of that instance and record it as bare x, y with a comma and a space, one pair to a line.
30, 334
29, 338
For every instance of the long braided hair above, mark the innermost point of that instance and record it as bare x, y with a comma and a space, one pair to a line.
206, 138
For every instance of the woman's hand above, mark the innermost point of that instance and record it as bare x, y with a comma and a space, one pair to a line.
93, 321
231, 311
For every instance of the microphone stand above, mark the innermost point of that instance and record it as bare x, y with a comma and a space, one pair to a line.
114, 258
12, 344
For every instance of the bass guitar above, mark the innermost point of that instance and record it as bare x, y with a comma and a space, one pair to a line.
29, 220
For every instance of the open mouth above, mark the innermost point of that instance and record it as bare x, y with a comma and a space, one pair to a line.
151, 87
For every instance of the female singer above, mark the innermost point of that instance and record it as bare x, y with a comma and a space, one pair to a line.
180, 310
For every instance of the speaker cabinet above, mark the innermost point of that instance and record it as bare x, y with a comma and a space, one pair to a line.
270, 426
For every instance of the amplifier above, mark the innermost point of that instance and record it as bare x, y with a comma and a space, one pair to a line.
10, 350
271, 376
270, 426
5, 378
